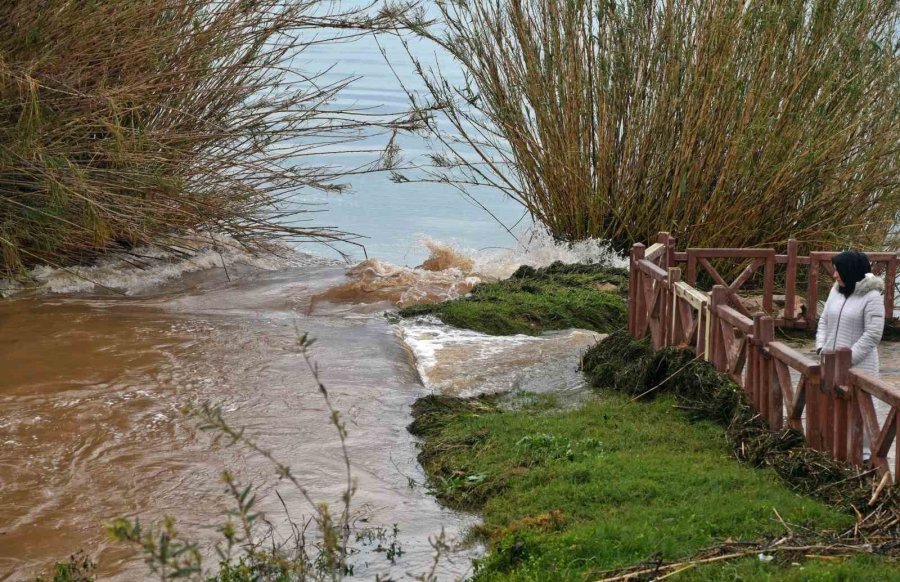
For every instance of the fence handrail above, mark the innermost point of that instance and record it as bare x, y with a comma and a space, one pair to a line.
654, 251
652, 270
831, 403
876, 387
738, 320
693, 296
792, 358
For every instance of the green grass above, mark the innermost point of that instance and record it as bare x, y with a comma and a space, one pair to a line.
533, 301
610, 484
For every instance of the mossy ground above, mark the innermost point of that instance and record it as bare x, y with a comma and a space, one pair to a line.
533, 301
568, 494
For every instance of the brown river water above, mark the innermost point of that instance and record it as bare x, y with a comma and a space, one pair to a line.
91, 387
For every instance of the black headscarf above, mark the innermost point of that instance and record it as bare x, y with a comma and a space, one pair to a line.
852, 266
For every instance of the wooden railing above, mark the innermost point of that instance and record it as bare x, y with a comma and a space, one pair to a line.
831, 403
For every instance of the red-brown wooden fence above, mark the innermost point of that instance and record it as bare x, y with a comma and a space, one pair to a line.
831, 403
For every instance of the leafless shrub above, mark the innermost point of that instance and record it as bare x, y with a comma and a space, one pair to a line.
132, 122
727, 123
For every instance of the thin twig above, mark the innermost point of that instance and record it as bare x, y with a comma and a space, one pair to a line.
672, 375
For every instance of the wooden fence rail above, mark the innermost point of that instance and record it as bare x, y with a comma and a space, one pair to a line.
834, 405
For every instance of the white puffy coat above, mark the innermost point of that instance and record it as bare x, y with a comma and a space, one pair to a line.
854, 322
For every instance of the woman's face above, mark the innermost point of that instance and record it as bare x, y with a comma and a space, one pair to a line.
837, 277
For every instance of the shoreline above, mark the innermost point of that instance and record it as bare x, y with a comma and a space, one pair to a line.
538, 475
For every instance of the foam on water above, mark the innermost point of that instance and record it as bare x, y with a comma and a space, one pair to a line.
537, 248
425, 336
148, 267
451, 272
461, 362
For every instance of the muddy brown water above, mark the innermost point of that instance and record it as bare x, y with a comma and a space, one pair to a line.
91, 429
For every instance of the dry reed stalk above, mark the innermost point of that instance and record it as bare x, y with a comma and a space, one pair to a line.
729, 124
132, 122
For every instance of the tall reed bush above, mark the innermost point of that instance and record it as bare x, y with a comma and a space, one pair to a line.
131, 121
728, 123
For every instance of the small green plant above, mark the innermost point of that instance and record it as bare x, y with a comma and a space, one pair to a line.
384, 542
166, 555
545, 446
79, 568
541, 447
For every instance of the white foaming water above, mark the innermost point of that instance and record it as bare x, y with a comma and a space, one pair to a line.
148, 267
459, 362
425, 336
447, 274
537, 248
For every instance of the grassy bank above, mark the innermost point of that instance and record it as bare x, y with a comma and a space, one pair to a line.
611, 484
532, 301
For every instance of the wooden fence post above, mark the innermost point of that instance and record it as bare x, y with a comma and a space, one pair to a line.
756, 348
814, 403
674, 324
769, 391
665, 297
790, 282
635, 293
663, 239
667, 292
718, 356
670, 250
750, 377
855, 428
841, 408
897, 445
704, 331
826, 404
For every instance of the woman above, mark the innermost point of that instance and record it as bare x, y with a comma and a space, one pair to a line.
854, 316
854, 313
